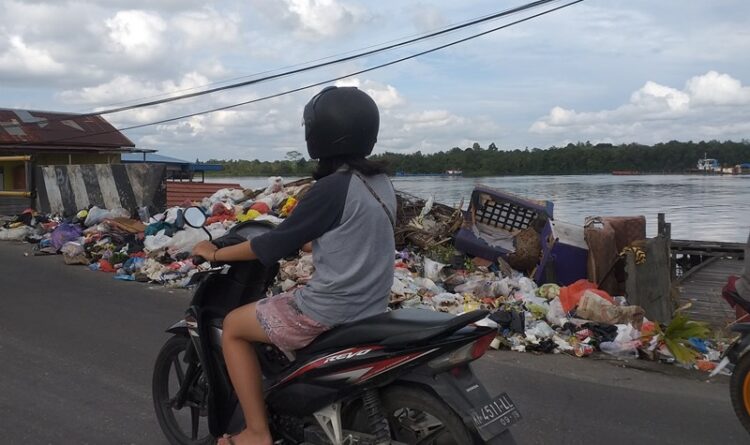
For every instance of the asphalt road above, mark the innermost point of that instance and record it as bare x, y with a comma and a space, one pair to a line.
76, 350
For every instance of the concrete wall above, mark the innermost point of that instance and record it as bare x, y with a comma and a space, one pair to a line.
66, 189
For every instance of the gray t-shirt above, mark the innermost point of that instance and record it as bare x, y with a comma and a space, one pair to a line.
353, 247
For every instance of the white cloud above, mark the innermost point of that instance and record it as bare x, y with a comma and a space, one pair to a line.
709, 106
207, 27
126, 88
428, 18
20, 59
717, 89
137, 34
386, 96
315, 18
429, 119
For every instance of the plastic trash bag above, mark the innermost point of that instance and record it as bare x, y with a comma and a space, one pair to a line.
432, 269
17, 234
555, 314
133, 265
539, 329
526, 285
97, 215
621, 350
593, 307
156, 242
275, 185
72, 248
185, 240
570, 295
64, 233
172, 215
426, 283
231, 196
548, 291
447, 302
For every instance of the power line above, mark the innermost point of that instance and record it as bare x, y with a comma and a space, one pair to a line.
318, 65
316, 84
247, 76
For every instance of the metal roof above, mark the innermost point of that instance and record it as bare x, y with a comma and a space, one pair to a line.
160, 159
59, 131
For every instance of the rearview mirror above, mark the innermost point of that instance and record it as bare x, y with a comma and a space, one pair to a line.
194, 217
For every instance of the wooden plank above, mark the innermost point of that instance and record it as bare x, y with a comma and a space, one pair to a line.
179, 192
703, 289
678, 245
696, 269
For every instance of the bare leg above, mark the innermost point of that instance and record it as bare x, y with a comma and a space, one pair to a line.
241, 329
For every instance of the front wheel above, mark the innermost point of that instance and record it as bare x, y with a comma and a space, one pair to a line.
739, 387
183, 420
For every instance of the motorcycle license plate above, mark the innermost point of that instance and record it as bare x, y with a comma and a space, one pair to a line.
495, 416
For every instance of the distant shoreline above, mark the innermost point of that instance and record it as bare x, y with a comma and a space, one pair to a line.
442, 175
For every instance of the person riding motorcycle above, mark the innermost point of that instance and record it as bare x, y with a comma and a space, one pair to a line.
347, 220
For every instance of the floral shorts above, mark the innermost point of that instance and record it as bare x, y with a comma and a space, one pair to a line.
285, 324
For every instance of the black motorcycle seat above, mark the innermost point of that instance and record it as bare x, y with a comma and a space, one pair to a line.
411, 326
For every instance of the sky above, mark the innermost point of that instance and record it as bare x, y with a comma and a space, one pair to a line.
615, 71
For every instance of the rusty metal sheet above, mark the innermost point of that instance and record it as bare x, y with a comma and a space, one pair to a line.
52, 129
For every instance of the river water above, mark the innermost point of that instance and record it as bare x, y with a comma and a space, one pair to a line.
712, 208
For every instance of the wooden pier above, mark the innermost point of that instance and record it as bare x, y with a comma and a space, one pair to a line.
702, 286
706, 248
700, 270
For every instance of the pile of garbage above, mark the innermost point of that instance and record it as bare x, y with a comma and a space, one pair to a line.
430, 273
147, 248
578, 319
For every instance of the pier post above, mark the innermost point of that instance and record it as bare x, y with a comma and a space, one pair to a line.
660, 224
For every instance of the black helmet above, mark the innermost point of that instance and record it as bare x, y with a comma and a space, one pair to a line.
341, 121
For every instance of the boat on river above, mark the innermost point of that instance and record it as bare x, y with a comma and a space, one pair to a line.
708, 165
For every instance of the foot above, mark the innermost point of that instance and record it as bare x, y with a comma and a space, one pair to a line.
246, 437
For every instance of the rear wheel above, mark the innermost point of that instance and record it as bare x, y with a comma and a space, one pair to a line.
415, 416
186, 424
739, 387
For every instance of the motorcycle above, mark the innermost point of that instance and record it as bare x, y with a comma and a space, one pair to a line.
737, 355
401, 377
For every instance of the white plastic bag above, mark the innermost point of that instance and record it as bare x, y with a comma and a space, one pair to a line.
556, 315
72, 248
447, 302
97, 215
432, 269
156, 242
426, 283
185, 240
540, 329
17, 234
621, 350
527, 286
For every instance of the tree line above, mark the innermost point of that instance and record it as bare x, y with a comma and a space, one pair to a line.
580, 158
